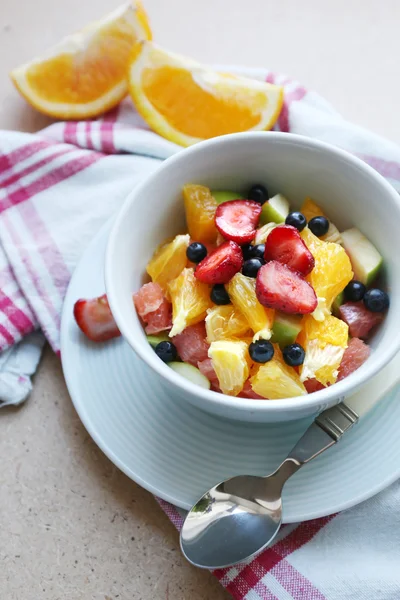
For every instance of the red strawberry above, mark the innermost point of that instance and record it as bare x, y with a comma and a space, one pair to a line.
359, 319
94, 318
279, 287
237, 220
285, 245
221, 265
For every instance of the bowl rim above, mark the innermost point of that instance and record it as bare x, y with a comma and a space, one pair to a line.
327, 396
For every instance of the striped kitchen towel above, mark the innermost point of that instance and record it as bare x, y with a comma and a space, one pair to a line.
57, 188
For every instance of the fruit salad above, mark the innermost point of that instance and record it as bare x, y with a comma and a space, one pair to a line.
256, 300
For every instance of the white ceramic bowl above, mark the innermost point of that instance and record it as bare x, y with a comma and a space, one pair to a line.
349, 191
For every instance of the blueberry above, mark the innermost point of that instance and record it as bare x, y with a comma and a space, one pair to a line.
293, 355
319, 225
247, 250
354, 291
250, 251
252, 266
196, 252
258, 193
258, 251
296, 219
166, 351
261, 351
376, 300
219, 295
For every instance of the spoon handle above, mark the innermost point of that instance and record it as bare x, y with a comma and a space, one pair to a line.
327, 429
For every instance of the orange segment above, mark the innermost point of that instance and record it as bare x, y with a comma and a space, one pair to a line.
275, 379
169, 260
331, 273
187, 102
190, 299
242, 292
324, 343
225, 322
85, 74
200, 208
231, 362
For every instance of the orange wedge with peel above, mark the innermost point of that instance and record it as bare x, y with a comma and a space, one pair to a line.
187, 102
84, 75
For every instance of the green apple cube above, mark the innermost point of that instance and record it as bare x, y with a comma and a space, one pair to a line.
221, 196
337, 303
276, 209
365, 258
285, 329
191, 373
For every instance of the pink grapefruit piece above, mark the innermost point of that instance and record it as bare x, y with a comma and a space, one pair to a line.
153, 308
354, 356
360, 320
192, 345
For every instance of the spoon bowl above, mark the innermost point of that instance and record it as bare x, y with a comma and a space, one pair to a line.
233, 521
241, 516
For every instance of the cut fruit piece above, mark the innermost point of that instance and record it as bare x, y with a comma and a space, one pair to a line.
360, 320
248, 392
280, 288
205, 366
331, 273
225, 322
242, 292
200, 209
312, 385
237, 220
337, 303
364, 257
186, 102
221, 196
263, 233
154, 340
193, 374
285, 245
191, 344
231, 362
153, 308
354, 356
285, 329
324, 343
85, 74
168, 261
275, 210
221, 265
190, 300
95, 319
310, 210
276, 380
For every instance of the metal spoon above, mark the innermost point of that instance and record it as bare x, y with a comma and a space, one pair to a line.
241, 516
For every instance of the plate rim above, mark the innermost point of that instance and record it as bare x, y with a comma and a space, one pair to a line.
78, 403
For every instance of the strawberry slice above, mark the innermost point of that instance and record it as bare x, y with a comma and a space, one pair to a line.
279, 287
237, 220
221, 265
95, 319
285, 245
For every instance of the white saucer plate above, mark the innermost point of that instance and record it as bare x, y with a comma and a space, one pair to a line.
177, 451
